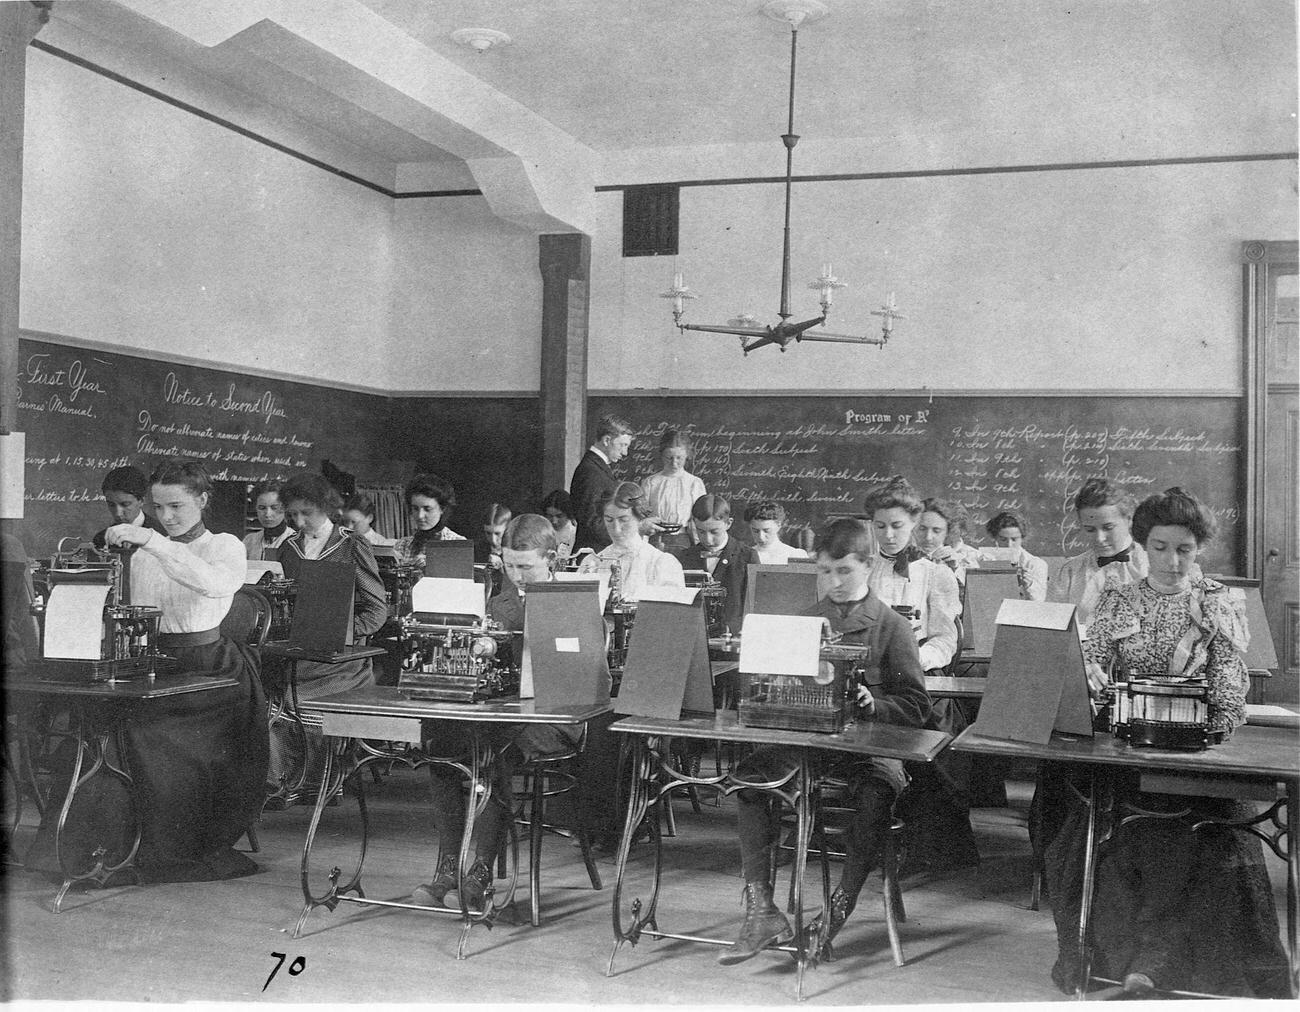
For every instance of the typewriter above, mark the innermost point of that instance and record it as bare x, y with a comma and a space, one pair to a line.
1163, 713
451, 660
820, 699
714, 595
127, 633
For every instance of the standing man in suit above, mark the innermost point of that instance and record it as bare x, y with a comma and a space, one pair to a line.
593, 476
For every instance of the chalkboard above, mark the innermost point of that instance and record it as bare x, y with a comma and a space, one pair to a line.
87, 411
819, 455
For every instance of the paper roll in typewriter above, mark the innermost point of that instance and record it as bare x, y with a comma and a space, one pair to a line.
451, 652
90, 631
1164, 713
794, 675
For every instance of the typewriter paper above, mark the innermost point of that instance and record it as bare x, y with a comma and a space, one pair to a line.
601, 575
670, 595
448, 597
74, 621
1035, 614
568, 645
781, 644
257, 569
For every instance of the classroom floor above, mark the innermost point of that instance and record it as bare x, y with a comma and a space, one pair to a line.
968, 937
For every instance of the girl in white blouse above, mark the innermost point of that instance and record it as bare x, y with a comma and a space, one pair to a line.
670, 494
906, 580
198, 759
1105, 514
640, 563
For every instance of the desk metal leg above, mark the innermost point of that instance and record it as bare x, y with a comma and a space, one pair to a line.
637, 803
1293, 883
94, 741
334, 775
803, 824
483, 758
1100, 803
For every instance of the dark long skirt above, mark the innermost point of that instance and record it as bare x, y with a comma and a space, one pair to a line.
199, 764
1193, 911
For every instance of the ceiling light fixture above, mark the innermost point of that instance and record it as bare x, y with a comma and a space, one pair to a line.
480, 39
752, 336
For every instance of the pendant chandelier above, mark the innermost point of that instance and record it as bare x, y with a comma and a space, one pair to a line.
752, 335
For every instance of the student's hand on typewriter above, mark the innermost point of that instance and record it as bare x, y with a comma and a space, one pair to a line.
866, 701
127, 534
1097, 680
946, 555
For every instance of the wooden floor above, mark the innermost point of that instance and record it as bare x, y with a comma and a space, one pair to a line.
968, 937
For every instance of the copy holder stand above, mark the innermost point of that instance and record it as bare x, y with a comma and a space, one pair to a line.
564, 660
1036, 682
321, 631
986, 589
667, 671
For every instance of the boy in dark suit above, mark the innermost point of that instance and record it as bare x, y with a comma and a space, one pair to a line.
720, 555
594, 476
894, 693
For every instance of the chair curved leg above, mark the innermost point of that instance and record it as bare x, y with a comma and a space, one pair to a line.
535, 816
893, 899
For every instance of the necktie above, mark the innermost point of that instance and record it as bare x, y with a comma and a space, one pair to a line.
1106, 560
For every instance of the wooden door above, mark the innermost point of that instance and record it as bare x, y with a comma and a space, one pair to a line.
1273, 349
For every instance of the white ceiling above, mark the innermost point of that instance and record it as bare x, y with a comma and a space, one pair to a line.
936, 83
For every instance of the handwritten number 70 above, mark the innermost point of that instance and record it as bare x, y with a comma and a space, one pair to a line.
296, 967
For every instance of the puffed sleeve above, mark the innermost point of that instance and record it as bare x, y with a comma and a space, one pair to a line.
1225, 667
943, 605
370, 605
1034, 577
219, 575
667, 572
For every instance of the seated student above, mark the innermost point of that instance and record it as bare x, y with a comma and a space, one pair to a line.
765, 519
1009, 531
724, 558
1104, 511
894, 693
939, 534
640, 563
430, 501
1175, 908
557, 507
904, 579
528, 555
264, 545
125, 489
671, 493
198, 759
487, 546
938, 835
313, 502
359, 518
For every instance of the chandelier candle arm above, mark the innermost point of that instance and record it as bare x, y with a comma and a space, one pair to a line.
752, 335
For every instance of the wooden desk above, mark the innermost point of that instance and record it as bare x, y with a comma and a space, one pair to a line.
1252, 756
1273, 715
377, 723
286, 650
942, 687
654, 776
98, 712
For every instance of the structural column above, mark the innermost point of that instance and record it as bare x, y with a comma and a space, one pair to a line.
19, 23
565, 262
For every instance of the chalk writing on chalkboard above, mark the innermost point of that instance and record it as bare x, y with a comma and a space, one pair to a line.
1026, 455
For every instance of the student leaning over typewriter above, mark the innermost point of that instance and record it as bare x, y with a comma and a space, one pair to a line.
528, 555
1174, 908
313, 504
895, 694
198, 760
